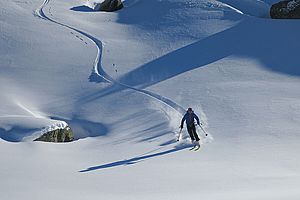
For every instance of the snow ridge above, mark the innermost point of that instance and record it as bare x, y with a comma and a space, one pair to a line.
98, 69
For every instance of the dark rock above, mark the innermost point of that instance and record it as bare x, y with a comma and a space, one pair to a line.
289, 9
58, 135
111, 5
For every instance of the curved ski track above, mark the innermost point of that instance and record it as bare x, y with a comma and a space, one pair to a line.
98, 69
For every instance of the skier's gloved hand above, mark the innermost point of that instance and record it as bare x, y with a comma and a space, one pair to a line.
206, 134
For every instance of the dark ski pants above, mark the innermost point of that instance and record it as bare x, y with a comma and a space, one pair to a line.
193, 133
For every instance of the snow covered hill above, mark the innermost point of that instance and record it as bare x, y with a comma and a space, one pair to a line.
123, 80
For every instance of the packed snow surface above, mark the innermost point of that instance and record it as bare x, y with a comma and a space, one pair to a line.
122, 81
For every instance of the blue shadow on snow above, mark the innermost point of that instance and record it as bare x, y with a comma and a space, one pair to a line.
16, 134
82, 9
135, 159
240, 40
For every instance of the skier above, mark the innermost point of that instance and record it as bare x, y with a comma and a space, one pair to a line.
189, 117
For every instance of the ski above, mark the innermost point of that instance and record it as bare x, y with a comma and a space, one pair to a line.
196, 148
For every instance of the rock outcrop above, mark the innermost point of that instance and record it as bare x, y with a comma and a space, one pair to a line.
289, 9
58, 135
109, 5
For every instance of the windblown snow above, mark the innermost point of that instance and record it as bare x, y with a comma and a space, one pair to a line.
122, 81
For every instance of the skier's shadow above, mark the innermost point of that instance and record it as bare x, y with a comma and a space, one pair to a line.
135, 159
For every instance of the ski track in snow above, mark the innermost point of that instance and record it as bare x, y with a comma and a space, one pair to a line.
98, 69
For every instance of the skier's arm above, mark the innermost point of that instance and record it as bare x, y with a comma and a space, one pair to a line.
197, 119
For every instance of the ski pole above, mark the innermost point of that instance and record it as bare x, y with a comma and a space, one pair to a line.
179, 134
203, 130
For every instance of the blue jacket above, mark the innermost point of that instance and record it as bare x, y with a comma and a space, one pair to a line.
190, 119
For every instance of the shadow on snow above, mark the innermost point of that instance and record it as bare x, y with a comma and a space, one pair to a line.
240, 40
82, 9
135, 160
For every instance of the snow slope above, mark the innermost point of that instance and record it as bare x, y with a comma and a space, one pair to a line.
122, 82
